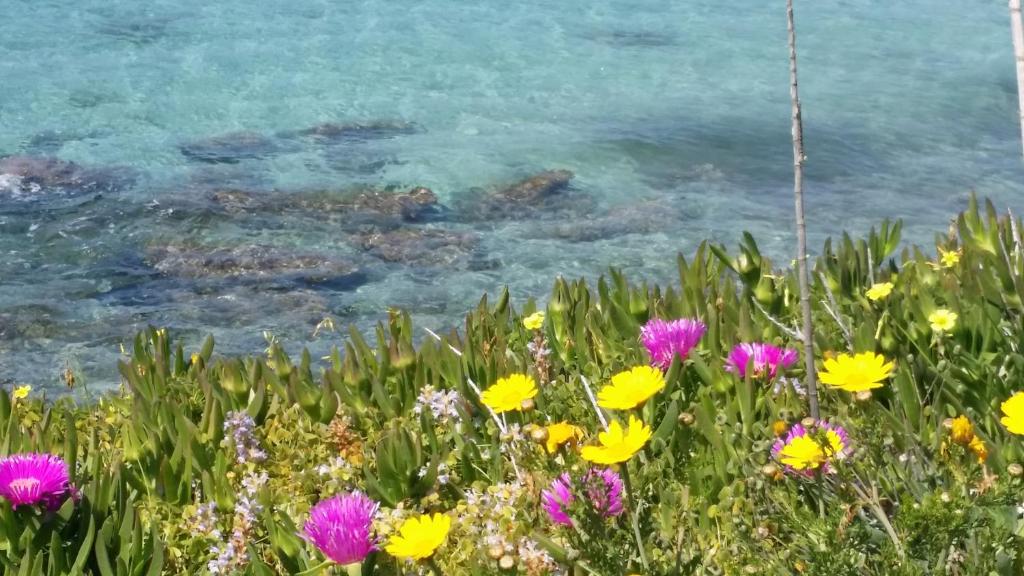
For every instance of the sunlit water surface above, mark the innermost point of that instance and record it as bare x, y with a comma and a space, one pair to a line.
674, 118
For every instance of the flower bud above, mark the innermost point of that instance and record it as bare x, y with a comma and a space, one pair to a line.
528, 405
1015, 469
809, 422
495, 552
770, 470
686, 419
539, 435
862, 396
506, 562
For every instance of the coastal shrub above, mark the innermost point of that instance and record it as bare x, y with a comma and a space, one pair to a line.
622, 428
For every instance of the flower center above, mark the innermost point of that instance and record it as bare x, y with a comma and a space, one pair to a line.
24, 484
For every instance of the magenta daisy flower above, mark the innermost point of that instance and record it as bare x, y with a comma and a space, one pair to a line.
804, 451
31, 478
340, 527
604, 488
557, 498
666, 340
764, 359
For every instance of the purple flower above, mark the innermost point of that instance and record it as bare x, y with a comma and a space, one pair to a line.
666, 340
764, 359
34, 478
340, 527
557, 498
240, 433
604, 488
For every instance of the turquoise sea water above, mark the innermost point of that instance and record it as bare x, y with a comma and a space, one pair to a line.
674, 118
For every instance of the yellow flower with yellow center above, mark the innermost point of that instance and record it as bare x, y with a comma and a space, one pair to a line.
1013, 413
805, 453
561, 433
949, 259
962, 432
856, 373
618, 444
979, 449
509, 393
418, 538
942, 320
879, 291
534, 321
21, 392
631, 388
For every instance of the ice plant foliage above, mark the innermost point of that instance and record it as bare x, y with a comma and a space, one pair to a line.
618, 444
667, 340
856, 373
1013, 413
804, 451
341, 527
631, 388
32, 478
509, 393
418, 538
763, 359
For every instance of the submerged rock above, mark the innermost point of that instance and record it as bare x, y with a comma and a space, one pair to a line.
643, 218
336, 132
32, 177
547, 191
253, 262
231, 148
30, 321
421, 246
414, 205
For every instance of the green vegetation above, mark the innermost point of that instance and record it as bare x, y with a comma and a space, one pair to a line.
920, 491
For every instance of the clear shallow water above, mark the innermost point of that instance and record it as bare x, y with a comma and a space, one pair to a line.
674, 119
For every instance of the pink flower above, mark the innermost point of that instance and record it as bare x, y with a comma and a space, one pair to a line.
666, 340
603, 488
557, 498
33, 478
340, 527
764, 359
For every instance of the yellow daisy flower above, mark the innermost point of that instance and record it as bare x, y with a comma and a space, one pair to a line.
509, 393
534, 321
979, 449
879, 291
631, 388
561, 433
942, 320
618, 444
962, 432
856, 373
21, 392
419, 538
802, 452
1013, 413
949, 259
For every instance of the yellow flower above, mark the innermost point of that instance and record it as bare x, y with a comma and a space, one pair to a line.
509, 393
855, 373
631, 388
534, 321
419, 538
618, 445
561, 433
779, 427
879, 291
961, 431
942, 320
1013, 410
804, 453
979, 449
21, 392
949, 259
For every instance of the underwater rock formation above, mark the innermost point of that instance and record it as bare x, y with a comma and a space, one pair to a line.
543, 193
420, 246
231, 148
339, 132
25, 177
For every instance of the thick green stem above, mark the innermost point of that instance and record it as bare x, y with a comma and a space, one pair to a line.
634, 515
